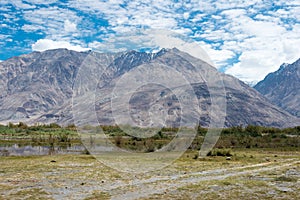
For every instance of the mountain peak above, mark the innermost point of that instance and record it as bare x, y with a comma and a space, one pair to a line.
282, 87
283, 66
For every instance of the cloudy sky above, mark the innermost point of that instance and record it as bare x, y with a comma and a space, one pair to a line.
247, 39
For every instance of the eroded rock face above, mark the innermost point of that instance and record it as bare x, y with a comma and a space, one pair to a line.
283, 87
38, 87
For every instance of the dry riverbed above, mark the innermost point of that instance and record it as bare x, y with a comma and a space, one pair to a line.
250, 174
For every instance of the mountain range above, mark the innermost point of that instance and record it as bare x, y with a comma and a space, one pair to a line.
282, 87
39, 88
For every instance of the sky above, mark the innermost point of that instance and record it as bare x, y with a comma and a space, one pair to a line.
247, 39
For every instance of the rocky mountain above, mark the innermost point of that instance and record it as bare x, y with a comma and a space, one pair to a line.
48, 86
282, 87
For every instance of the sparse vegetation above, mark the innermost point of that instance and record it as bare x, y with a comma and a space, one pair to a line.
47, 134
234, 137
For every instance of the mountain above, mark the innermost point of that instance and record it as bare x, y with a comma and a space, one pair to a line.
283, 87
45, 87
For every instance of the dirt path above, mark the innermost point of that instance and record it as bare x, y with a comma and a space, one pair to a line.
159, 185
81, 177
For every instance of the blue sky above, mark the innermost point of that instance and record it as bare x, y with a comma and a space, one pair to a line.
247, 39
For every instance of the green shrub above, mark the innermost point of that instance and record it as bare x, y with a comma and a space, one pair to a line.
285, 179
219, 152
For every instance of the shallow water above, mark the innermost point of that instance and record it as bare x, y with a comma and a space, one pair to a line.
29, 150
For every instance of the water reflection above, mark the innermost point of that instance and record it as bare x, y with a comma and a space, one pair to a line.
28, 150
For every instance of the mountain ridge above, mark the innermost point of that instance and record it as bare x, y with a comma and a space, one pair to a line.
282, 87
38, 88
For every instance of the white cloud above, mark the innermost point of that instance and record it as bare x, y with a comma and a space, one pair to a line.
234, 13
148, 13
251, 66
293, 2
220, 57
69, 26
41, 2
186, 15
198, 17
264, 42
261, 28
216, 35
3, 37
260, 57
20, 4
61, 24
31, 28
45, 44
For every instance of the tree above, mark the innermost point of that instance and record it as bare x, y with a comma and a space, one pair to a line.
253, 130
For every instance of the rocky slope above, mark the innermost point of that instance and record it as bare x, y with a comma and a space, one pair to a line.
38, 87
283, 87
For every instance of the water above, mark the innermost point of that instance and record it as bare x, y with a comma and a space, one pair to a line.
30, 150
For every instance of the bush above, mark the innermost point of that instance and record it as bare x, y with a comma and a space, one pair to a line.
219, 152
201, 131
253, 131
118, 140
285, 179
54, 125
22, 125
71, 127
149, 145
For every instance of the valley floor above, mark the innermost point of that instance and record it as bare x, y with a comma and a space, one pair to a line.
250, 174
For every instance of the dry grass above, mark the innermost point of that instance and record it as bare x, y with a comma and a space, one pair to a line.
250, 174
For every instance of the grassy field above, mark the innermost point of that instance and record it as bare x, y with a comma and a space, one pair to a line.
247, 163
249, 174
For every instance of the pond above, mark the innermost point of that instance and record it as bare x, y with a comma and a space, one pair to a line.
30, 150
